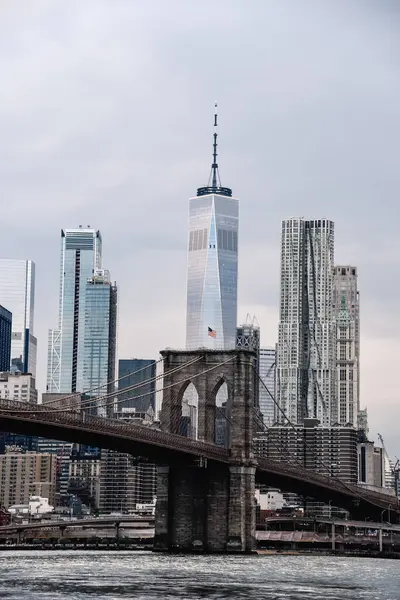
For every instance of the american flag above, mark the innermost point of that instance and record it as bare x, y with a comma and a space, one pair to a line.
212, 333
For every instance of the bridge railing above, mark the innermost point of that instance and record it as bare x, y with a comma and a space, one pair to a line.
137, 432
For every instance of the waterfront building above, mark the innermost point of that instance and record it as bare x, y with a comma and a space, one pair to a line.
5, 338
330, 451
80, 257
346, 307
18, 386
306, 355
26, 475
267, 385
211, 315
17, 295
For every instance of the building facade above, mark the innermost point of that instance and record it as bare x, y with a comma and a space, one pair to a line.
139, 375
306, 356
346, 305
18, 386
25, 475
371, 465
331, 451
211, 315
5, 338
80, 257
267, 385
17, 294
100, 338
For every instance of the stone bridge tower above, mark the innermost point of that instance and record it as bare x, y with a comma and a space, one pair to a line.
204, 505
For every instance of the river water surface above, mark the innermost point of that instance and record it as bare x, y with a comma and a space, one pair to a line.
74, 575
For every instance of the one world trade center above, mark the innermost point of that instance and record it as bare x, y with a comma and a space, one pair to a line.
212, 264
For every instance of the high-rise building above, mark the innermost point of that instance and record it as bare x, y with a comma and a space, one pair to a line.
306, 358
141, 373
5, 338
267, 385
212, 264
18, 386
247, 338
100, 337
80, 256
330, 451
17, 294
346, 306
24, 475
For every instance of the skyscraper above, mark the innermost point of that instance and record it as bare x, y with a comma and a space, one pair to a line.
306, 342
267, 385
212, 264
80, 256
5, 338
346, 305
17, 294
100, 336
136, 371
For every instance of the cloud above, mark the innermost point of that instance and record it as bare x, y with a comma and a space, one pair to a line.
106, 118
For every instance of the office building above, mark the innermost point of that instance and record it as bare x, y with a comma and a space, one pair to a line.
330, 451
371, 465
306, 357
25, 475
80, 257
211, 315
18, 386
17, 294
5, 338
84, 478
125, 482
99, 339
139, 374
267, 385
346, 307
248, 335
362, 421
247, 338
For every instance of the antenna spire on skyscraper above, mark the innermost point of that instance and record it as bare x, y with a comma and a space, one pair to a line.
214, 181
214, 166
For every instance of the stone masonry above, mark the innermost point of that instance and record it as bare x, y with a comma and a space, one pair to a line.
205, 506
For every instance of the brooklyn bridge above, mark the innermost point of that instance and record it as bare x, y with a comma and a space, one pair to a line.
206, 480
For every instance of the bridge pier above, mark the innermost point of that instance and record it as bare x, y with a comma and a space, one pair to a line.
209, 508
205, 509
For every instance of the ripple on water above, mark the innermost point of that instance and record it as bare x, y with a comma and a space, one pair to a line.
74, 575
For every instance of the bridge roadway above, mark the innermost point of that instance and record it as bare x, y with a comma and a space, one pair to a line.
141, 523
166, 448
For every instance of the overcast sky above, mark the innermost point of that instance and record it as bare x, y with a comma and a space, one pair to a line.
106, 119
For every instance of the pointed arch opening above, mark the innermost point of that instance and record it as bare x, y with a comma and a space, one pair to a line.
188, 426
222, 414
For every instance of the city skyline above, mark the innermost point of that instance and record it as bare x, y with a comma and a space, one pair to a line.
297, 142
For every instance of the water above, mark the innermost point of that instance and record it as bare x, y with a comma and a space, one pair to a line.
74, 575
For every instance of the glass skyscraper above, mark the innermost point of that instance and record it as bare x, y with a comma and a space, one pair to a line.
5, 338
212, 265
17, 294
80, 257
100, 336
267, 386
135, 371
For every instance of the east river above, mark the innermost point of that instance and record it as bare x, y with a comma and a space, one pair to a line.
74, 575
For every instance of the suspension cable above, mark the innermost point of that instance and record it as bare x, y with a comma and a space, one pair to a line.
103, 385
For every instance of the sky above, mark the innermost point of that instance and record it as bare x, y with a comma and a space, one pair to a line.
106, 120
